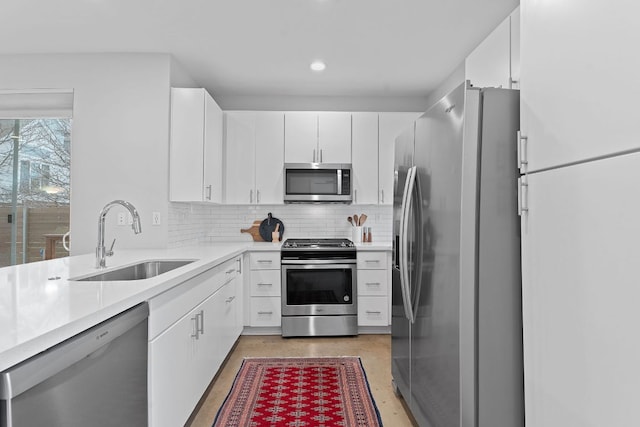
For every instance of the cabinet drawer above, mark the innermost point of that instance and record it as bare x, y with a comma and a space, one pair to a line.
373, 311
265, 260
372, 260
265, 311
265, 283
372, 283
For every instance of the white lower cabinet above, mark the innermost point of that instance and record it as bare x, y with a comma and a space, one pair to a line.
374, 288
192, 328
265, 289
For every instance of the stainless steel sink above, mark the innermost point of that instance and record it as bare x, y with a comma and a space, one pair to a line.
142, 270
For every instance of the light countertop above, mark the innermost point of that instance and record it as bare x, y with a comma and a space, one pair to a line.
40, 306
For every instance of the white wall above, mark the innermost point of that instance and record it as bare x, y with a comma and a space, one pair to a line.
120, 137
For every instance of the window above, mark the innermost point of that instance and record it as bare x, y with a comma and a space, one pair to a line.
35, 165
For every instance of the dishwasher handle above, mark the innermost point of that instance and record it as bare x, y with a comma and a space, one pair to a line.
33, 371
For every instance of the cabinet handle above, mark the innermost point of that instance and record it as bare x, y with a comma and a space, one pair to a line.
382, 191
250, 196
265, 284
208, 192
257, 196
355, 196
201, 328
265, 260
373, 284
195, 327
373, 312
314, 155
239, 265
230, 299
265, 312
320, 156
372, 260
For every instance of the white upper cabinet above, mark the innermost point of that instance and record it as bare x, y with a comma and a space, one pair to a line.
365, 158
317, 137
300, 137
579, 80
390, 126
373, 143
269, 156
334, 137
239, 173
254, 153
495, 62
195, 159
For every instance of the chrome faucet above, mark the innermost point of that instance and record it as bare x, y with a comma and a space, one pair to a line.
101, 252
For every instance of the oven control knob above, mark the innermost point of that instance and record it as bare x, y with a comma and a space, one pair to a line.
346, 298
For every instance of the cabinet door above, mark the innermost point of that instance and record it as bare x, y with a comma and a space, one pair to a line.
581, 293
365, 158
228, 318
334, 137
212, 191
515, 48
489, 63
301, 137
171, 356
240, 157
579, 83
186, 145
269, 157
390, 126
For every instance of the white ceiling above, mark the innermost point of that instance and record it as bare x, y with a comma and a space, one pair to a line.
236, 48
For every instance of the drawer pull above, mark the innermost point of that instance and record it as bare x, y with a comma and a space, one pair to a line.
265, 312
265, 284
372, 260
373, 312
372, 283
265, 261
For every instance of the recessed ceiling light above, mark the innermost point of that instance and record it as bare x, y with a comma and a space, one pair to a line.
318, 66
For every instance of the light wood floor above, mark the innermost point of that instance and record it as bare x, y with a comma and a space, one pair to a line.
373, 350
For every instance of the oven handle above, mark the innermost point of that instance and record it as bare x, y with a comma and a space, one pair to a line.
334, 262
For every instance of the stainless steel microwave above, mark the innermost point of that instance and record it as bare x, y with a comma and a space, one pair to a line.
318, 182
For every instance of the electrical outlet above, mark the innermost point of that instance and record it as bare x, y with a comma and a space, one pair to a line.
155, 220
121, 218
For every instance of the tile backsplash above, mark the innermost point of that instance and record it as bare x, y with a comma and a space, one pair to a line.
191, 223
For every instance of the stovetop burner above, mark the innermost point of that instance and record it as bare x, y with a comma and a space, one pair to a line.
317, 243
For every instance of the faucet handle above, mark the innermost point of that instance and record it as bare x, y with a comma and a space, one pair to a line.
110, 251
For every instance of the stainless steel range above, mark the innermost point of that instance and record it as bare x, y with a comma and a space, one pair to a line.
319, 287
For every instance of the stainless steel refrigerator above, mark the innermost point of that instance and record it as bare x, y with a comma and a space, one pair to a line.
456, 296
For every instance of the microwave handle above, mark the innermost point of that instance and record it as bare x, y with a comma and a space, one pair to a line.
339, 181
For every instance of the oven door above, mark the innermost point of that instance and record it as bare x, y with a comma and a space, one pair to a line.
313, 288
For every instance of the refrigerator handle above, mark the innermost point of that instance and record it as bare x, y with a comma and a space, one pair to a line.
404, 246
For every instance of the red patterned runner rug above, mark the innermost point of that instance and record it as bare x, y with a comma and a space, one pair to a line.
299, 392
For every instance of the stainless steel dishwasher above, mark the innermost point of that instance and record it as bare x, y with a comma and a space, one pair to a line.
96, 378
